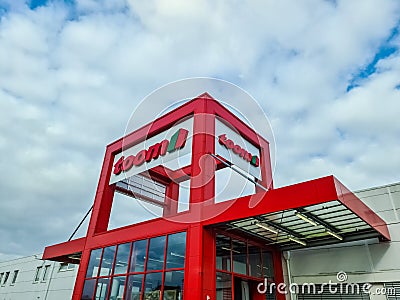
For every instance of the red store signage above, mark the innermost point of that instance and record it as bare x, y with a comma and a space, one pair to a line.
243, 153
177, 141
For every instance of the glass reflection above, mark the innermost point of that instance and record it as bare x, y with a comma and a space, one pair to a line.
173, 285
102, 288
88, 289
134, 287
268, 267
107, 261
147, 257
224, 286
239, 256
223, 259
117, 288
255, 265
155, 259
138, 256
176, 250
121, 262
94, 262
152, 286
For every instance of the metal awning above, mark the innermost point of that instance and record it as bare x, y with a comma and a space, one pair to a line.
315, 225
314, 213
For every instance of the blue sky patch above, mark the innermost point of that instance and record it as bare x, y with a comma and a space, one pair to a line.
37, 3
385, 50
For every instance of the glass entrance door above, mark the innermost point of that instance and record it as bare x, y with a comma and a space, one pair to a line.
241, 288
241, 267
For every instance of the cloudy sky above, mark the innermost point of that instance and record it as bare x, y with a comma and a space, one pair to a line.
327, 74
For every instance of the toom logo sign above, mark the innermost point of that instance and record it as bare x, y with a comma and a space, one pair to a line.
177, 141
235, 148
238, 150
169, 148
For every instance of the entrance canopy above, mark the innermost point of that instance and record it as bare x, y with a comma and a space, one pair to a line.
313, 213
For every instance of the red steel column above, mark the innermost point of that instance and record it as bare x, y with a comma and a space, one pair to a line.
80, 278
202, 176
200, 280
98, 220
193, 265
200, 260
265, 165
103, 199
171, 200
209, 265
278, 272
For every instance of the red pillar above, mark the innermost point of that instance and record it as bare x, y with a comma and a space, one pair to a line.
99, 219
209, 267
193, 264
200, 280
171, 200
278, 272
202, 183
80, 278
200, 259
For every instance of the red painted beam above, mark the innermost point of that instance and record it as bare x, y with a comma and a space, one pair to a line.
143, 230
288, 197
60, 251
347, 198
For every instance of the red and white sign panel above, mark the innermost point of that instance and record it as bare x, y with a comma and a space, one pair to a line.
162, 149
230, 145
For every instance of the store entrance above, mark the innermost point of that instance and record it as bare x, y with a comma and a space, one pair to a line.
241, 289
246, 289
241, 267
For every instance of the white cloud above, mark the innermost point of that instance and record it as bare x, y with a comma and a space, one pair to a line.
70, 78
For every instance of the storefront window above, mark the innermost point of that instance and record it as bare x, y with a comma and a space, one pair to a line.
107, 261
134, 287
94, 262
223, 253
102, 288
239, 257
268, 267
224, 286
117, 288
139, 249
173, 285
121, 262
255, 264
138, 271
152, 286
155, 260
176, 250
88, 289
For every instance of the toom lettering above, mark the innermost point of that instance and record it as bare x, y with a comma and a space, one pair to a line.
229, 144
176, 142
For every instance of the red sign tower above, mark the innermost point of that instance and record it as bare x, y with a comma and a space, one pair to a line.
213, 249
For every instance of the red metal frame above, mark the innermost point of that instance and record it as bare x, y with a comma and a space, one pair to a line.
199, 279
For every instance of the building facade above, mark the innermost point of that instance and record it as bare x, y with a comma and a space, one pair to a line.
33, 278
366, 261
223, 231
